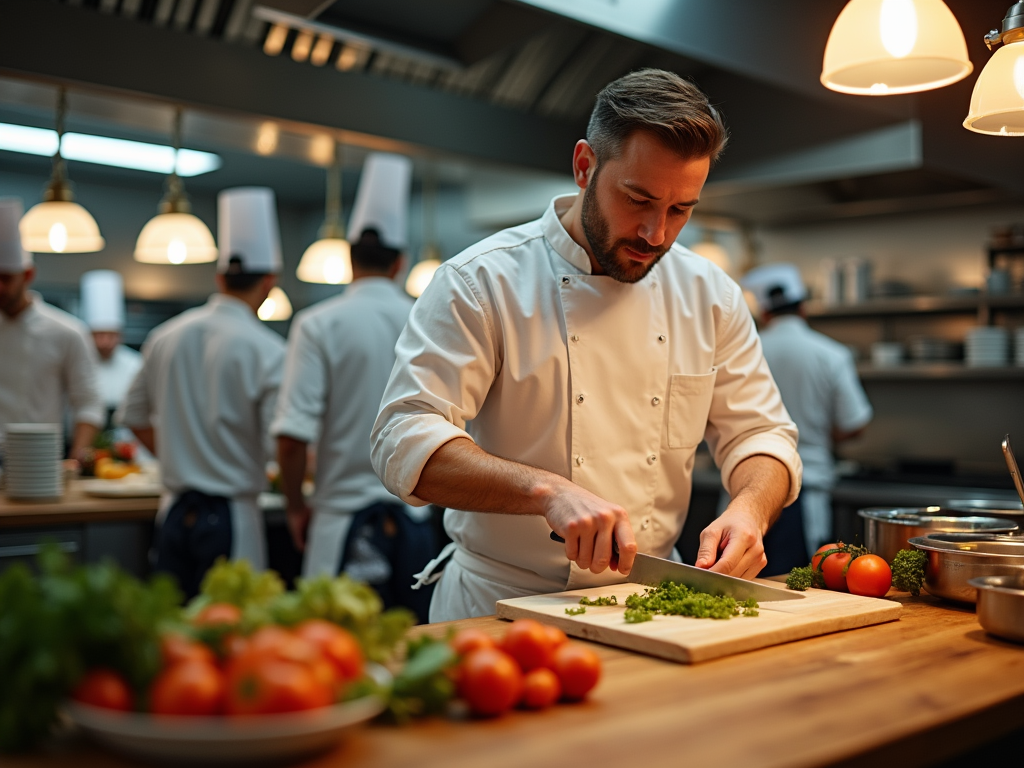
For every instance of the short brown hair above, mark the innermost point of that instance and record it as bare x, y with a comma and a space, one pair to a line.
663, 103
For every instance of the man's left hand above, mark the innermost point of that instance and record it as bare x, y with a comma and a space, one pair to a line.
737, 536
298, 517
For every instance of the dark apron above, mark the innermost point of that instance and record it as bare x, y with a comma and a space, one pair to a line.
195, 532
784, 544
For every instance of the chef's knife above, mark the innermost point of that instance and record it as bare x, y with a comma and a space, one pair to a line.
652, 571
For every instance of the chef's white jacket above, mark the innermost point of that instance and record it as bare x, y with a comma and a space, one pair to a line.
208, 385
47, 361
516, 345
115, 375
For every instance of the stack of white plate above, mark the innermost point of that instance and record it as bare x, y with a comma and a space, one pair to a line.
32, 461
1019, 355
987, 346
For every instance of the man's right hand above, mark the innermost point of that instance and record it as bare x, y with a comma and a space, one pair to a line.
589, 525
298, 524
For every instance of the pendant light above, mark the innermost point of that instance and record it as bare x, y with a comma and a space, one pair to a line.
276, 306
329, 259
997, 104
430, 257
886, 47
58, 224
175, 236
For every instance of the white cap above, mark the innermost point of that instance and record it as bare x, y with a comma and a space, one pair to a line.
103, 300
13, 258
775, 285
382, 200
247, 228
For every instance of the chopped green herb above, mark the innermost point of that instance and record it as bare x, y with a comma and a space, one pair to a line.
613, 600
908, 570
804, 578
575, 611
638, 616
672, 599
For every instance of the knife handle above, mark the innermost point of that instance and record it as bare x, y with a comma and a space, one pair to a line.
560, 540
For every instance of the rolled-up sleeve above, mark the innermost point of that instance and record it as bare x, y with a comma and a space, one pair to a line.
303, 396
444, 367
747, 417
82, 386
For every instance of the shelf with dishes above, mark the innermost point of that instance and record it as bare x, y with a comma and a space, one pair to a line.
913, 305
943, 371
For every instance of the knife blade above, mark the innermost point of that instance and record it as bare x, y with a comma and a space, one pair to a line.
652, 571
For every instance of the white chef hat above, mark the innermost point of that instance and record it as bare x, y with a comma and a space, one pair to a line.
382, 200
775, 285
103, 300
13, 258
247, 229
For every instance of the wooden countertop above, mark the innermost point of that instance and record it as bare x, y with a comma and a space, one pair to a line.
909, 692
75, 507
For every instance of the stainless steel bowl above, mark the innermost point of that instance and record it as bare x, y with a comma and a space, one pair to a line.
1001, 605
1009, 510
956, 558
887, 530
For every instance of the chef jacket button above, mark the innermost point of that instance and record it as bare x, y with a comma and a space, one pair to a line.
579, 399
652, 459
655, 400
565, 281
579, 460
646, 524
575, 337
663, 338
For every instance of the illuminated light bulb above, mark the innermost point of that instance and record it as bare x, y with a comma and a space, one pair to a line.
266, 138
58, 237
276, 37
302, 45
328, 260
276, 306
177, 252
335, 269
175, 238
879, 89
898, 26
322, 50
321, 149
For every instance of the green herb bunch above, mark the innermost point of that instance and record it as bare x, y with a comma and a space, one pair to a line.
671, 599
908, 570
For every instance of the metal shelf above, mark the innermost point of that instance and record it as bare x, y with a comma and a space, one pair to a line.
913, 305
938, 371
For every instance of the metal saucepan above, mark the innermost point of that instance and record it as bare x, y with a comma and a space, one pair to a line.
1001, 605
1008, 510
956, 558
887, 530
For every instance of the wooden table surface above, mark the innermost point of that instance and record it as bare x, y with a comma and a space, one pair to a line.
905, 693
75, 507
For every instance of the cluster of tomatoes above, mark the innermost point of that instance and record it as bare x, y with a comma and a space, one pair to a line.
533, 666
847, 570
273, 670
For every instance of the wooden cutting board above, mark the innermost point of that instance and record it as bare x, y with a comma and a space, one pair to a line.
689, 640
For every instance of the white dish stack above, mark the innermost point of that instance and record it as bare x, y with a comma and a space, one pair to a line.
1019, 347
32, 461
987, 346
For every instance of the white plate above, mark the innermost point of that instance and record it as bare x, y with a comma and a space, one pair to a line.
119, 489
225, 740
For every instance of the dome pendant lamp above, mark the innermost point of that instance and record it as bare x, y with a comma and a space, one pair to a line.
175, 236
997, 105
329, 259
887, 47
58, 224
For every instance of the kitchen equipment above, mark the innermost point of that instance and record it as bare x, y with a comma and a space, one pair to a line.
224, 740
32, 461
887, 530
956, 558
689, 640
1011, 464
652, 571
886, 354
926, 349
1009, 510
856, 280
1001, 605
1018, 346
986, 346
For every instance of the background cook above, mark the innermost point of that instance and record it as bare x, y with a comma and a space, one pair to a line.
591, 356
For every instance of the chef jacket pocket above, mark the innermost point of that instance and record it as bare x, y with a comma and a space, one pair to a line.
689, 402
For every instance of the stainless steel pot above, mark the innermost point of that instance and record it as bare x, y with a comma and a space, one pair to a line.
1001, 605
1009, 510
887, 530
956, 558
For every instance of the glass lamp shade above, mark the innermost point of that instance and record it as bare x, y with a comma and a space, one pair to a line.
175, 238
997, 105
326, 261
276, 306
886, 47
59, 226
420, 277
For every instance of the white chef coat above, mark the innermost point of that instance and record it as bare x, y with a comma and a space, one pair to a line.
47, 362
609, 384
340, 355
208, 385
818, 381
115, 375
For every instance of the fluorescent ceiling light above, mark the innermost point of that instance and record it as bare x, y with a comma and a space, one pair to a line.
102, 150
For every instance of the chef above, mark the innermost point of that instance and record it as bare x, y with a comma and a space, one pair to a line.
103, 312
558, 376
204, 398
818, 380
340, 354
48, 361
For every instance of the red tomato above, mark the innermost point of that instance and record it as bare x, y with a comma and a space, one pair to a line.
468, 640
869, 575
262, 685
578, 669
218, 615
188, 688
817, 555
104, 688
337, 645
528, 642
832, 570
556, 637
234, 645
490, 681
175, 648
541, 689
